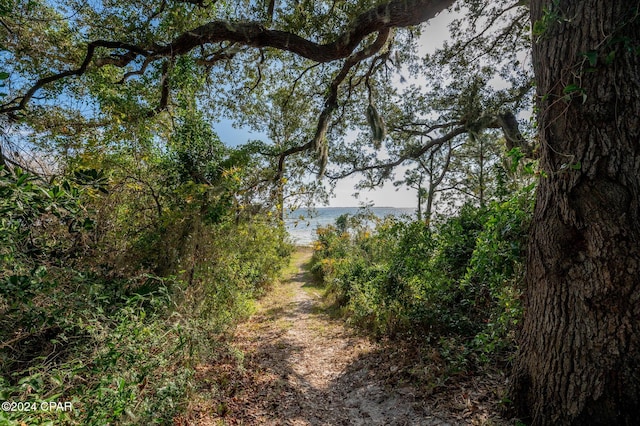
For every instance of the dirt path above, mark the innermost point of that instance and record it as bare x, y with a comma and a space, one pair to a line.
301, 367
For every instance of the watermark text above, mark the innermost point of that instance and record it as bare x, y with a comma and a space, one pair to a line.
37, 406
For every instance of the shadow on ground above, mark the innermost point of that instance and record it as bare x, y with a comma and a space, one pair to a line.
302, 366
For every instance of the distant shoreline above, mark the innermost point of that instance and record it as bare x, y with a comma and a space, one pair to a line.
302, 223
360, 207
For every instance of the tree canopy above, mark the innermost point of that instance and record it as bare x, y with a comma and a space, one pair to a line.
76, 66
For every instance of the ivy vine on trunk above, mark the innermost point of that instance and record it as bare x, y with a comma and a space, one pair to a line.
580, 346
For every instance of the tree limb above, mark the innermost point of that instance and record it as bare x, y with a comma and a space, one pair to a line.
509, 125
506, 121
319, 142
411, 154
396, 13
21, 102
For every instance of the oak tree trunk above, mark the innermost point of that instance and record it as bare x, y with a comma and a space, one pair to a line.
578, 360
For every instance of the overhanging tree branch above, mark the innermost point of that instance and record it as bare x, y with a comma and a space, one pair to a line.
319, 139
411, 154
506, 121
396, 13
122, 60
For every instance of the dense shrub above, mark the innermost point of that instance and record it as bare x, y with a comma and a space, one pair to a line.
112, 310
456, 281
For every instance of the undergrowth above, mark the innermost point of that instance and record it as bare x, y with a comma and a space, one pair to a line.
454, 286
115, 327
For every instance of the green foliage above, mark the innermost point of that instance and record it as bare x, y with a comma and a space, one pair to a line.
117, 278
457, 284
89, 342
550, 15
241, 262
496, 269
68, 334
55, 208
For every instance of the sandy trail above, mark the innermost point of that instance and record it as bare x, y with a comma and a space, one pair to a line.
301, 367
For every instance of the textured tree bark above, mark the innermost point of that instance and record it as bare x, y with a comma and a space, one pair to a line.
579, 350
393, 14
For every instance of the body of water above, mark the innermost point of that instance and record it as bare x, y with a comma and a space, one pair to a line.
302, 223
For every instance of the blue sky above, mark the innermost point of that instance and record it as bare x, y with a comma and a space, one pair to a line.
386, 196
435, 32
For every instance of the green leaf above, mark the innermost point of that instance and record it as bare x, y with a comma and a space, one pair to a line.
529, 168
592, 56
610, 57
22, 179
4, 75
571, 88
574, 89
539, 28
516, 155
88, 224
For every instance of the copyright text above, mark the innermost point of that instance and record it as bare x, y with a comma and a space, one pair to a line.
37, 406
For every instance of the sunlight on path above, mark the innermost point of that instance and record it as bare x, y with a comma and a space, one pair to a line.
301, 367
